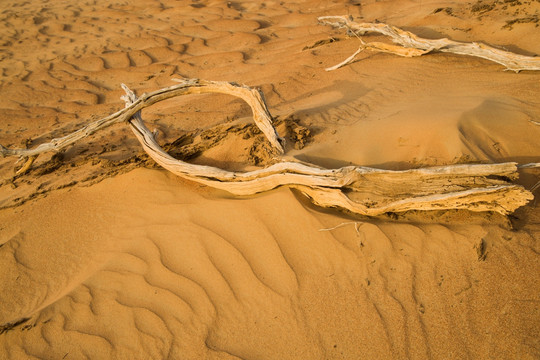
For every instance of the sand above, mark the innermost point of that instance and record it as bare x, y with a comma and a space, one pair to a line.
103, 255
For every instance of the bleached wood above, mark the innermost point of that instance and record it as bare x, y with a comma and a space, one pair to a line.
473, 187
361, 190
347, 60
529, 166
412, 45
252, 97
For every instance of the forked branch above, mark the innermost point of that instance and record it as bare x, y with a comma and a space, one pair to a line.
252, 97
409, 45
361, 190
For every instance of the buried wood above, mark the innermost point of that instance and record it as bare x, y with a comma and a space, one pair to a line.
252, 97
409, 45
361, 190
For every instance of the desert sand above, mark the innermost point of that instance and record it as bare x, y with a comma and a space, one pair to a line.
105, 255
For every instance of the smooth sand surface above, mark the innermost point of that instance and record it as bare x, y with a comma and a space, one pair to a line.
103, 255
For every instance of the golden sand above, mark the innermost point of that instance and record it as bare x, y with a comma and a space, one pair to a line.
103, 255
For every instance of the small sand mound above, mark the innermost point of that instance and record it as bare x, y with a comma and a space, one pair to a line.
102, 255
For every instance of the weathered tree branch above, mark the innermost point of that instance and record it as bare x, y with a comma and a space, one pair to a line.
410, 45
361, 190
252, 97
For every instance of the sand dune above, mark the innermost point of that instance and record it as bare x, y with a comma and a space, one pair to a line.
169, 276
103, 255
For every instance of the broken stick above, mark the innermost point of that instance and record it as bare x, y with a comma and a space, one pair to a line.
252, 97
360, 190
409, 45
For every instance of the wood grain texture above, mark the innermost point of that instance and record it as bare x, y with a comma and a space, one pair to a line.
360, 190
409, 45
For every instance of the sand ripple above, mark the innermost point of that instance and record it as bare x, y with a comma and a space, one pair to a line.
102, 259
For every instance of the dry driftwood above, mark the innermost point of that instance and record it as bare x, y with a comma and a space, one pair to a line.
410, 45
361, 190
252, 97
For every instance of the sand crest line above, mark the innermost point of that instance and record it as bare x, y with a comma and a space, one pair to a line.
410, 45
475, 187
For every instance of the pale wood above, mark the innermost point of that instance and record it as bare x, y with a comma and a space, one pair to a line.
360, 190
473, 187
529, 166
252, 97
410, 45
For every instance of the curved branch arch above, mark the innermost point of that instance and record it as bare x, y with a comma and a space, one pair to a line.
360, 190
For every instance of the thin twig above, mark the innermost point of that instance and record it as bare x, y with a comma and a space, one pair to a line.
356, 226
347, 60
